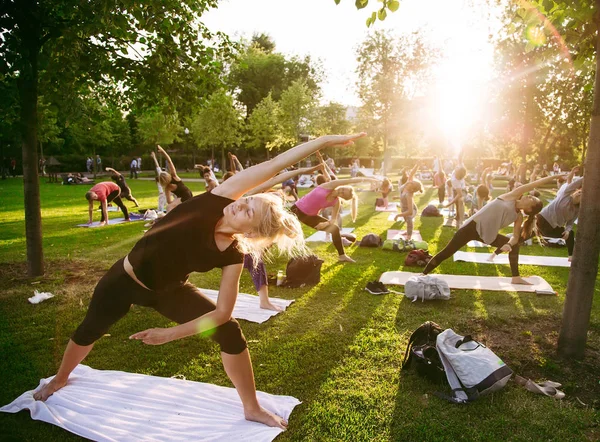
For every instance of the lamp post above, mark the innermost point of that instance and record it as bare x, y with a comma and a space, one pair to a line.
186, 131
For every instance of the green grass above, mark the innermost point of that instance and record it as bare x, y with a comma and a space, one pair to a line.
337, 348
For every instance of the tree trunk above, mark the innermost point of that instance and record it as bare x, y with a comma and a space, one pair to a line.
584, 268
33, 219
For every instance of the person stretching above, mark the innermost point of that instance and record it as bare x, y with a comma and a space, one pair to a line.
557, 218
486, 224
105, 192
162, 199
171, 183
327, 195
125, 190
212, 230
407, 205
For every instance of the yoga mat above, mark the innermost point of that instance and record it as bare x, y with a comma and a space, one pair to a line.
392, 217
498, 283
397, 234
132, 217
392, 207
556, 241
320, 235
482, 258
443, 210
105, 405
110, 209
449, 222
474, 243
247, 306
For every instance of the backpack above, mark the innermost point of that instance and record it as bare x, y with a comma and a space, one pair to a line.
303, 271
422, 353
471, 368
417, 258
370, 240
431, 210
426, 287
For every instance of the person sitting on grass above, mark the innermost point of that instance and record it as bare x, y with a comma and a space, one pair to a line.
215, 230
105, 192
486, 224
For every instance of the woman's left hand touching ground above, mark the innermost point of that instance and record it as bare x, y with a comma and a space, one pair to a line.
153, 336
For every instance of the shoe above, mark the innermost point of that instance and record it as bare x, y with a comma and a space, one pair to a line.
381, 285
373, 288
346, 242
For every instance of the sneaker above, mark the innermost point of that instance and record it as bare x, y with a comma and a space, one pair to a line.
373, 288
346, 242
382, 287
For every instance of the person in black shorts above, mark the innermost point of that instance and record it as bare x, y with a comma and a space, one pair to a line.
171, 183
125, 190
211, 230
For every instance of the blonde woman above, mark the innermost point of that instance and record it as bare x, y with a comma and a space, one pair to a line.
325, 195
171, 183
212, 230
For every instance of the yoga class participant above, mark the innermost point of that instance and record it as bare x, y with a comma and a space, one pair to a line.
212, 230
105, 192
486, 224
125, 190
162, 198
328, 195
171, 183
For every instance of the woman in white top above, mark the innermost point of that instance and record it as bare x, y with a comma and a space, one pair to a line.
486, 224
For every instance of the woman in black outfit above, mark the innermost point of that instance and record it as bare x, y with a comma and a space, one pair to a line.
171, 183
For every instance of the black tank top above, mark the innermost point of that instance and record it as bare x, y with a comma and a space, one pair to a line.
182, 242
120, 180
182, 191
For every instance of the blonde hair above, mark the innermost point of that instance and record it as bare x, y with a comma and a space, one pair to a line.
164, 178
353, 198
277, 226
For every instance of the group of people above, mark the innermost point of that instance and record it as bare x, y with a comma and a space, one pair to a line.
233, 225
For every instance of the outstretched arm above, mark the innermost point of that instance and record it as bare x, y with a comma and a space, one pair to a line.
412, 172
281, 178
324, 168
517, 192
572, 174
153, 155
254, 176
110, 169
235, 164
172, 169
331, 185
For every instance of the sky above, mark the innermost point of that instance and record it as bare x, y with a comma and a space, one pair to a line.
331, 33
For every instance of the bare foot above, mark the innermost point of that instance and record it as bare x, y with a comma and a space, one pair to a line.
266, 305
519, 280
49, 389
345, 258
266, 417
570, 258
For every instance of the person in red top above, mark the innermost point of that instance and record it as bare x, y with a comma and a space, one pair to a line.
105, 192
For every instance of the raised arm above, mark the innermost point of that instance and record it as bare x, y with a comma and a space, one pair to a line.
254, 176
534, 173
412, 172
281, 178
153, 156
484, 176
172, 169
236, 164
110, 169
572, 174
331, 185
517, 192
324, 167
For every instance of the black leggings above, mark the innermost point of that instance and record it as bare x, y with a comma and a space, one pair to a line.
442, 193
116, 291
555, 232
313, 220
465, 234
115, 196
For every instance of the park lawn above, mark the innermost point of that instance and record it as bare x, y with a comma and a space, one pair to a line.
337, 348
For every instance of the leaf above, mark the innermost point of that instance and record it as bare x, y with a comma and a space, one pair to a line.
382, 14
360, 4
337, 2
393, 5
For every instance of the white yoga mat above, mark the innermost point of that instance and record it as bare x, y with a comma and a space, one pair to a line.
498, 283
112, 222
443, 210
110, 209
449, 222
248, 307
397, 234
321, 236
104, 405
482, 258
474, 243
392, 207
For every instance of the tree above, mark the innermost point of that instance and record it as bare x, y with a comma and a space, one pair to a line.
218, 124
263, 125
381, 13
144, 47
295, 107
159, 125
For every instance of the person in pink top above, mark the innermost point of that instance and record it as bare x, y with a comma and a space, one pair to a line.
105, 192
325, 195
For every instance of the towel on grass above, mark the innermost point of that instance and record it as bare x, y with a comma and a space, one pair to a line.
469, 282
483, 258
247, 306
132, 217
105, 405
320, 235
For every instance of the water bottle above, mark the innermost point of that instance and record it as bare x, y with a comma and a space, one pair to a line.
280, 277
